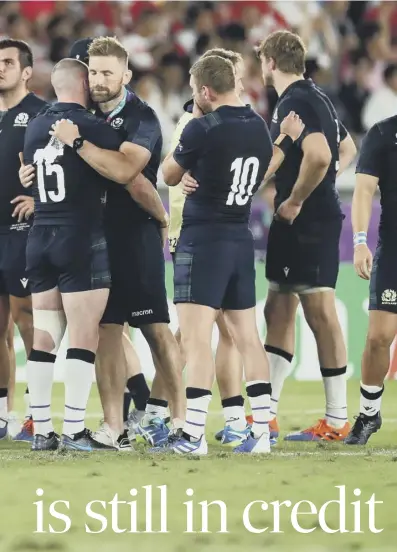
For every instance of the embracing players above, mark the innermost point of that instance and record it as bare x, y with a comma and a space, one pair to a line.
138, 294
67, 260
303, 246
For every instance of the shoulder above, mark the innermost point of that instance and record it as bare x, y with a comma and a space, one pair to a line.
385, 128
35, 105
139, 108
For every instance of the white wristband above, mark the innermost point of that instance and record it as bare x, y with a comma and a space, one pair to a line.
359, 238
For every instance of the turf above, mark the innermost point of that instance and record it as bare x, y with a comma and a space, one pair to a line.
293, 472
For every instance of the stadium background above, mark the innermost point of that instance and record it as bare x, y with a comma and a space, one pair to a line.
352, 55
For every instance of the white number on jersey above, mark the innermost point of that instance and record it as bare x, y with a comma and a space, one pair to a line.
241, 189
46, 166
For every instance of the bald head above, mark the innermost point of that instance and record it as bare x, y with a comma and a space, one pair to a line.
69, 76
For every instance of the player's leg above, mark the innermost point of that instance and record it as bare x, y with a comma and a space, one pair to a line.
375, 364
168, 363
321, 316
4, 363
13, 367
49, 327
280, 314
83, 310
382, 329
280, 308
110, 374
239, 306
21, 312
136, 389
149, 312
229, 377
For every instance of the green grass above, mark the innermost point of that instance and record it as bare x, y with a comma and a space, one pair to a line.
293, 472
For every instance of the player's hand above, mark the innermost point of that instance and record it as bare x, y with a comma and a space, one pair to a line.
164, 225
26, 173
189, 184
24, 207
363, 261
292, 125
65, 131
197, 112
288, 211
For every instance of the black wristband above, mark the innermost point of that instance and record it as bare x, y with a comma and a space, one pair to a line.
285, 144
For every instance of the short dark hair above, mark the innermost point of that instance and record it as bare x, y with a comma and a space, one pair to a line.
215, 72
286, 49
25, 51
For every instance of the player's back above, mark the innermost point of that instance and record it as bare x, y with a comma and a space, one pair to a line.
66, 190
232, 155
319, 115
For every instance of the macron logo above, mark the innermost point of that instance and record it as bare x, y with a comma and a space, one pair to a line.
24, 282
286, 271
142, 312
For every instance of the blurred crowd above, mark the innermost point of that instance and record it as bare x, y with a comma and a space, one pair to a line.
352, 47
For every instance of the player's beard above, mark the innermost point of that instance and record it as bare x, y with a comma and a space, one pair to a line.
102, 95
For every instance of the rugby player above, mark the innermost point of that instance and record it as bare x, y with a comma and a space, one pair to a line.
138, 294
17, 107
376, 167
302, 260
228, 366
228, 151
136, 389
67, 261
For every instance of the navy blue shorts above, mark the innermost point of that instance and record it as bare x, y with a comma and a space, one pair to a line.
304, 253
138, 294
383, 282
68, 258
13, 277
215, 268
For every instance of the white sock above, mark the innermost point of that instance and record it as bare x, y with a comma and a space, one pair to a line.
26, 400
235, 417
3, 407
259, 397
335, 396
154, 411
79, 371
280, 368
196, 415
370, 406
40, 376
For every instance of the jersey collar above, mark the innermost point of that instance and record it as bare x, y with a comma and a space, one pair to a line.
62, 106
303, 83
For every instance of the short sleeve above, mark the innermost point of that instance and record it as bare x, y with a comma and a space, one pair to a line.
146, 133
191, 144
370, 158
308, 115
342, 131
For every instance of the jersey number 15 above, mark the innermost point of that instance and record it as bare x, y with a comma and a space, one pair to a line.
45, 169
242, 186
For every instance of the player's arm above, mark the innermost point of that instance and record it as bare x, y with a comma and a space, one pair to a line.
147, 197
347, 153
368, 171
186, 153
291, 129
316, 160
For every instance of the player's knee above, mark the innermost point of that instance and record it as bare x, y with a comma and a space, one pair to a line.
379, 338
24, 323
158, 336
277, 316
49, 329
322, 319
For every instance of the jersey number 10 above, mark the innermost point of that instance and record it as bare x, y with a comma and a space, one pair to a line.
242, 186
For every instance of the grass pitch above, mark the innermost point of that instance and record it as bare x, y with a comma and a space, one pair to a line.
293, 472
